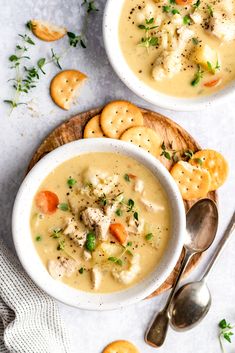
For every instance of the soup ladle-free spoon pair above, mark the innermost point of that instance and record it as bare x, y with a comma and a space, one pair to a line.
190, 304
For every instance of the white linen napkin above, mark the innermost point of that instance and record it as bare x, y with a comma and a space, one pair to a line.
29, 319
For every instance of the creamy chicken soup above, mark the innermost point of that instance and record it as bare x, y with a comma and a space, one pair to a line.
100, 222
181, 50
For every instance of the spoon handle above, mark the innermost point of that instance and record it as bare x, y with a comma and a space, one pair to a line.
221, 245
156, 333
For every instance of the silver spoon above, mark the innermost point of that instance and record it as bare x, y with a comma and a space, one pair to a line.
192, 301
201, 227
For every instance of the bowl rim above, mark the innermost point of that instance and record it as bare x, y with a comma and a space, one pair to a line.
26, 250
140, 88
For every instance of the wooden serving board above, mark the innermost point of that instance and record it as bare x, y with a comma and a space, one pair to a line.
171, 133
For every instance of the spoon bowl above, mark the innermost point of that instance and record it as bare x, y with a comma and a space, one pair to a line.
190, 305
202, 224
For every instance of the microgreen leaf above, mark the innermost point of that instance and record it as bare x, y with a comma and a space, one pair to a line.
197, 4
61, 245
149, 236
130, 204
126, 177
195, 41
81, 270
63, 206
136, 216
198, 160
41, 62
197, 77
210, 10
118, 212
38, 238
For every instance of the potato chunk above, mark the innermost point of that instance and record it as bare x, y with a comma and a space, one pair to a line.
206, 57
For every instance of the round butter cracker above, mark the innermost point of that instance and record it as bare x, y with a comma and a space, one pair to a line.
143, 137
121, 347
47, 31
119, 116
93, 128
194, 183
64, 86
214, 163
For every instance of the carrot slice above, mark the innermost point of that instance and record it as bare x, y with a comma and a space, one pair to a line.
119, 232
213, 83
46, 201
183, 2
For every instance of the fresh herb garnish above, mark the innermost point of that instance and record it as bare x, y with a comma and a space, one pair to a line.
198, 160
211, 68
210, 10
164, 152
61, 245
188, 154
130, 204
197, 4
129, 243
56, 233
148, 41
136, 216
195, 41
198, 76
75, 39
26, 38
90, 243
103, 200
149, 236
63, 206
71, 181
119, 212
81, 270
225, 332
38, 238
166, 8
90, 6
126, 177
115, 260
186, 20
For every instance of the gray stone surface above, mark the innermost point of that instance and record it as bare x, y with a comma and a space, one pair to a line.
21, 133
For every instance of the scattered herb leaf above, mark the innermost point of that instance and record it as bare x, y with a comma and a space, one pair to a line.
61, 245
149, 236
81, 270
126, 177
198, 76
38, 238
63, 206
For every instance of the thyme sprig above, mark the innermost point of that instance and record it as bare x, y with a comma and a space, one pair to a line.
148, 40
225, 333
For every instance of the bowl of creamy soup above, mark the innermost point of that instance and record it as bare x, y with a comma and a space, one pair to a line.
98, 223
177, 54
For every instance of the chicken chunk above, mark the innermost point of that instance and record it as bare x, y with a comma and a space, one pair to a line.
139, 185
222, 27
96, 277
98, 182
87, 255
134, 226
168, 62
62, 267
196, 17
127, 276
72, 230
95, 219
151, 206
113, 205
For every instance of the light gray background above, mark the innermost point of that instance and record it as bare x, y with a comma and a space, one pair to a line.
21, 133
